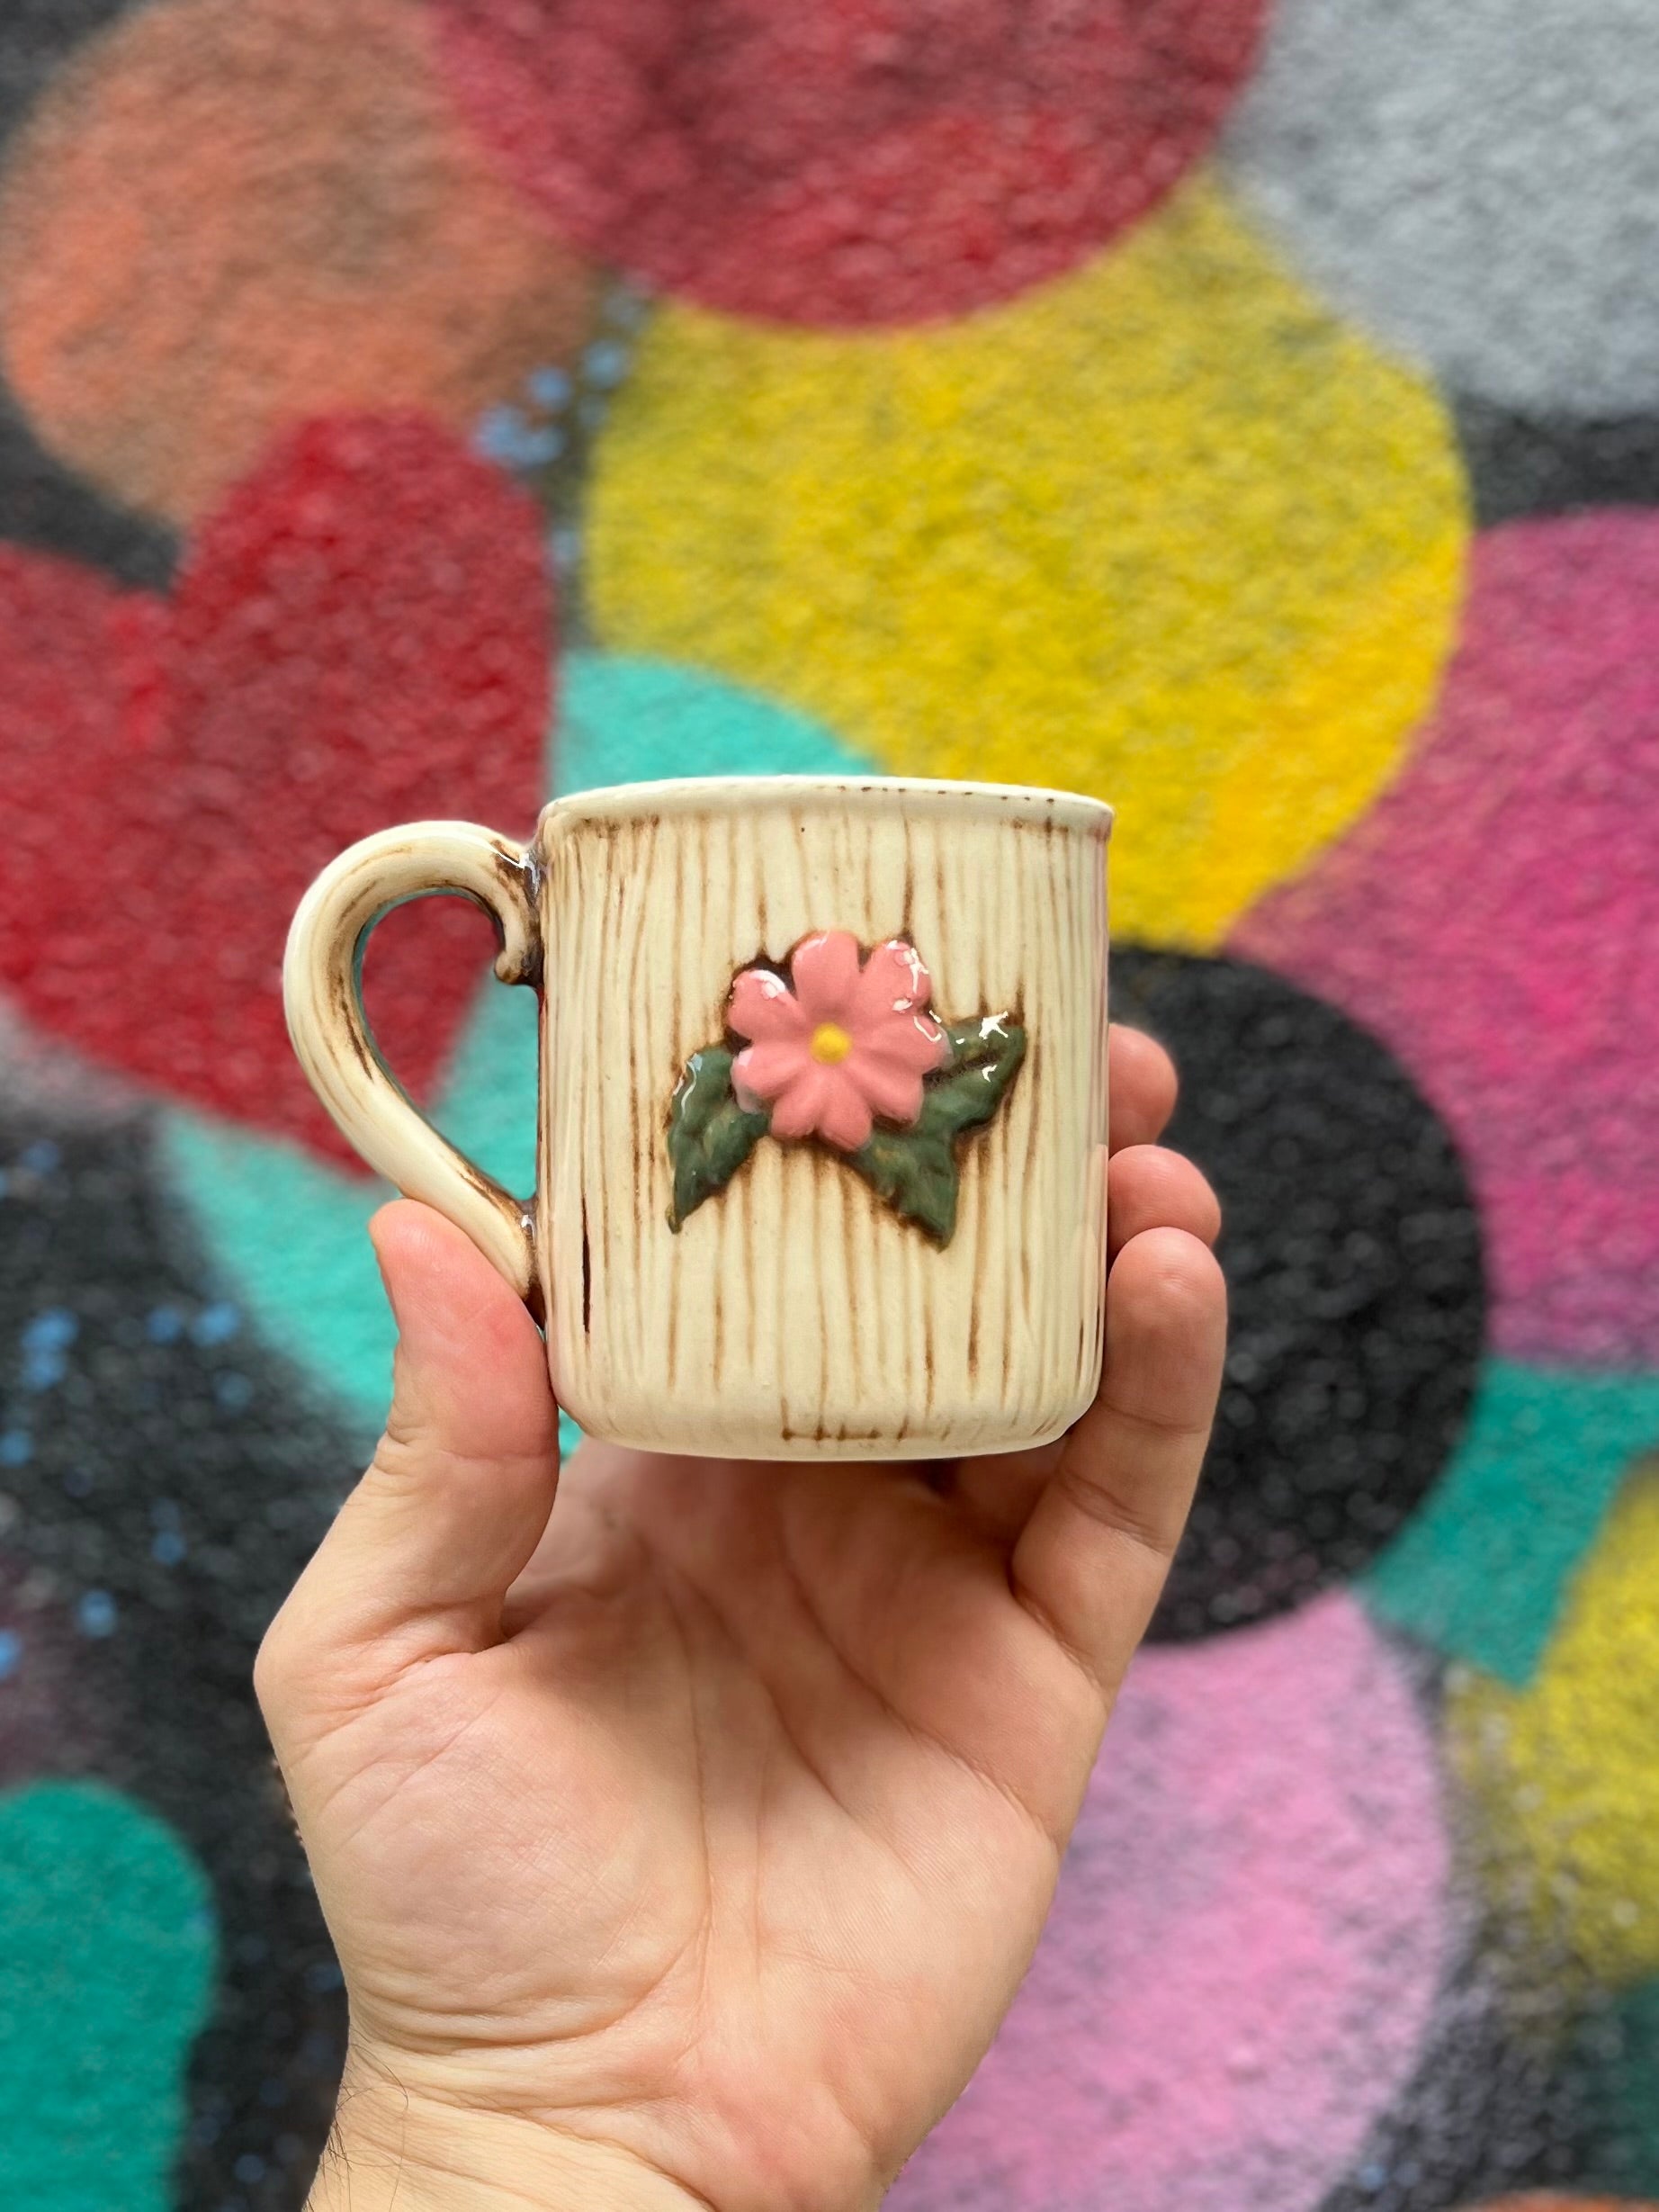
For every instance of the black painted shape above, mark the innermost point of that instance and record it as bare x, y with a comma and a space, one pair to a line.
1494, 2108
42, 502
167, 1433
47, 505
1494, 2105
1520, 466
1353, 1259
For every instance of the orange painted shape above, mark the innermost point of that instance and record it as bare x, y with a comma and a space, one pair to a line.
228, 215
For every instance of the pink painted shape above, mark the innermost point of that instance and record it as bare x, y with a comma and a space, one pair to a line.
1496, 919
1243, 1955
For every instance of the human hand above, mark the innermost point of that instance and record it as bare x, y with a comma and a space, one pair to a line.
686, 1847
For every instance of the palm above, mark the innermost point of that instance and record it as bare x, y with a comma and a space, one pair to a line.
716, 1816
763, 1748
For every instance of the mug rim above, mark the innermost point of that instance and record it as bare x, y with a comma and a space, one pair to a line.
679, 795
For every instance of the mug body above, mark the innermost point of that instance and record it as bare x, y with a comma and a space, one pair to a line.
854, 1208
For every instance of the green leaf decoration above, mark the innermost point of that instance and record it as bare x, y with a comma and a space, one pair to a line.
916, 1174
710, 1135
916, 1170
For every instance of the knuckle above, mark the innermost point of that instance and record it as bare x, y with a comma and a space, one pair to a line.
1100, 1503
403, 1452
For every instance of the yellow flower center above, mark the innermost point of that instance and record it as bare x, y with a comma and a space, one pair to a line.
830, 1045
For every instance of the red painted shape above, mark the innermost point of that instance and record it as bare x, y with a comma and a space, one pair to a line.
359, 636
852, 162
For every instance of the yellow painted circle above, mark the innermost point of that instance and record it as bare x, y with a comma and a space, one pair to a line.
1164, 531
1565, 1771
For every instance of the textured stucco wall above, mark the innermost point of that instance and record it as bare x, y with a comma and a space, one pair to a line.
1245, 410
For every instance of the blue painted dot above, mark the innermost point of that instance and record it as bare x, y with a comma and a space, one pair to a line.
233, 1392
79, 1483
548, 388
274, 2090
495, 430
95, 1613
54, 1330
41, 1158
606, 364
216, 1324
43, 1369
507, 437
323, 1973
10, 1653
250, 2167
169, 1549
536, 447
164, 1325
16, 1447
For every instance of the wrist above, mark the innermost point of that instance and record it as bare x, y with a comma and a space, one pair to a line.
389, 2143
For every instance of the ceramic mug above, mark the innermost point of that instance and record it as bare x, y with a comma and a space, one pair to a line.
823, 1102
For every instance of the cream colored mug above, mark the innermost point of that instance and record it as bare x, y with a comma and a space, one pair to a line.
821, 1154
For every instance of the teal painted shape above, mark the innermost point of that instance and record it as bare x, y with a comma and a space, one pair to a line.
1481, 1568
1622, 2044
289, 1233
107, 1958
636, 720
286, 1232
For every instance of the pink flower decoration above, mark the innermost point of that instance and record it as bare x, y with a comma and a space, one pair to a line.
843, 1044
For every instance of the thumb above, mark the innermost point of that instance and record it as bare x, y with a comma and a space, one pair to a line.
462, 1484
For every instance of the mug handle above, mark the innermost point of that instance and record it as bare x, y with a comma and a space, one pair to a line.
322, 974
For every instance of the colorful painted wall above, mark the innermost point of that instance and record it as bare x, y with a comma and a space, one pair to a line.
1246, 409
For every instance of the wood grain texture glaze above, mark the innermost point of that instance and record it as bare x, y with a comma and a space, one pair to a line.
795, 1315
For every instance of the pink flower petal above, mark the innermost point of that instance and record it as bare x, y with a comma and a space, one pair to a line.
766, 1071
894, 982
763, 1007
914, 1042
844, 1118
894, 1092
824, 970
798, 1108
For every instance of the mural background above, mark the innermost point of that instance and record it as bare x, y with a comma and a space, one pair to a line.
1245, 410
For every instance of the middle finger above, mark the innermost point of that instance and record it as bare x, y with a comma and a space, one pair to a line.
1141, 1079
